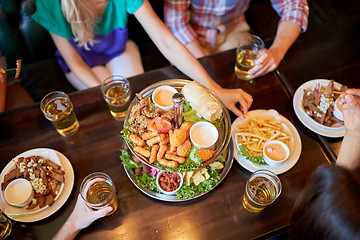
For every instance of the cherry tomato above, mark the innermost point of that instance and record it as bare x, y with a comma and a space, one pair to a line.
151, 125
163, 125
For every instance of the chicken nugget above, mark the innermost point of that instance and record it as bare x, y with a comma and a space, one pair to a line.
178, 137
205, 154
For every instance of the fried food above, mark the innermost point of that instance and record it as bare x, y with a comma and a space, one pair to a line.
178, 137
205, 154
257, 131
137, 140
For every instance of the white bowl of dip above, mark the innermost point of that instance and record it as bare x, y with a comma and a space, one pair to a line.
162, 97
275, 152
19, 192
338, 110
203, 134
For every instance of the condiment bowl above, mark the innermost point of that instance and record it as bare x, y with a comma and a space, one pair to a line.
165, 176
19, 192
275, 152
203, 134
338, 110
159, 99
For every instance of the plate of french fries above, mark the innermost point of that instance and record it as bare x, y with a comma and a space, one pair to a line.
258, 127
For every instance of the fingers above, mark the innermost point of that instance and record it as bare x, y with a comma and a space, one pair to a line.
264, 64
102, 212
236, 111
353, 91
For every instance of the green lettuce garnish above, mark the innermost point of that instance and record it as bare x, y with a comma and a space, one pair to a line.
255, 159
147, 181
189, 115
191, 191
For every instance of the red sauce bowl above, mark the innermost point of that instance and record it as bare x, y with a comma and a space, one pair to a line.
169, 182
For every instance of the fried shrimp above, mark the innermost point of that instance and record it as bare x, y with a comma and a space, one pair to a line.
161, 152
168, 163
155, 140
137, 140
142, 151
148, 135
154, 151
172, 156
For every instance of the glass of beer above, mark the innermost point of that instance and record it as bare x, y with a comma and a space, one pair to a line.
116, 92
5, 226
98, 191
59, 110
262, 189
247, 52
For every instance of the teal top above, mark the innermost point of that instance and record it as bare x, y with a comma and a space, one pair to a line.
111, 32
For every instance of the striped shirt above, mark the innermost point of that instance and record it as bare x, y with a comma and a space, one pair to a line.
188, 19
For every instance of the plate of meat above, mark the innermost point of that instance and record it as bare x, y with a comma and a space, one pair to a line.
313, 104
51, 176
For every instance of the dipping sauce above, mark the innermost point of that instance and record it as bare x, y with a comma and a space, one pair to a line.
18, 192
275, 152
339, 106
169, 181
203, 134
164, 98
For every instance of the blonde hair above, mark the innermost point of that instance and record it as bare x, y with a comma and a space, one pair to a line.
83, 18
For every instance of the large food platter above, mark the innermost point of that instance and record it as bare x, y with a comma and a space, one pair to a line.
229, 153
224, 129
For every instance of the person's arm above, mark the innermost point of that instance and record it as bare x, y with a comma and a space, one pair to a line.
75, 62
177, 54
294, 19
270, 59
349, 155
177, 16
3, 82
81, 217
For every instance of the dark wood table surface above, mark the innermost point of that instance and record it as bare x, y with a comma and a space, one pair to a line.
326, 51
95, 147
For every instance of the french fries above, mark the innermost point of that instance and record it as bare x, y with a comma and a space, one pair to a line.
257, 131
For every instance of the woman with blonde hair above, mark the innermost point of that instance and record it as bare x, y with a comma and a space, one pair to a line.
93, 43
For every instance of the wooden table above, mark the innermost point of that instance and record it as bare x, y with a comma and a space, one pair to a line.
95, 147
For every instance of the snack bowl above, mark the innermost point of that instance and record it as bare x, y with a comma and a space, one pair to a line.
203, 135
162, 97
338, 110
169, 182
275, 152
19, 192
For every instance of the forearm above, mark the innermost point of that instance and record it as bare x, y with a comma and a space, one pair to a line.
196, 49
171, 48
286, 35
349, 155
68, 231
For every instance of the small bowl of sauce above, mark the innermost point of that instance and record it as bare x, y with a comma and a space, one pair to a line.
162, 97
19, 192
203, 135
338, 112
169, 182
275, 152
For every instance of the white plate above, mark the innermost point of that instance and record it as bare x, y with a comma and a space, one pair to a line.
338, 131
24, 215
296, 145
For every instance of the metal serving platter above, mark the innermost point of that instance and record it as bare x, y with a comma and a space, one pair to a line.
224, 129
172, 198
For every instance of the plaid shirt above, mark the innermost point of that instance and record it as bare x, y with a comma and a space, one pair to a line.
188, 19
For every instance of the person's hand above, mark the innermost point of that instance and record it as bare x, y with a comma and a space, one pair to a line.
82, 216
351, 109
232, 96
267, 61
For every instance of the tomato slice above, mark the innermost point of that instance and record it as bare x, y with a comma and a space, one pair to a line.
163, 125
151, 125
